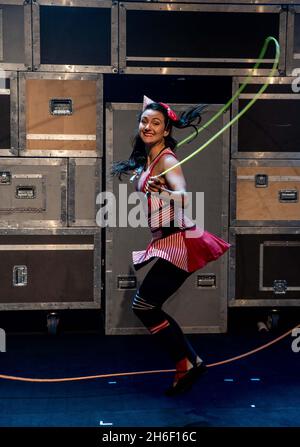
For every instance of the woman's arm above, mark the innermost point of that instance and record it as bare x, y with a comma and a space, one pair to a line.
172, 185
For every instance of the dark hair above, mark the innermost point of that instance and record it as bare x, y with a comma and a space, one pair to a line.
138, 156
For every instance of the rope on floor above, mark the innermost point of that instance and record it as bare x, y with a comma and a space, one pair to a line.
135, 373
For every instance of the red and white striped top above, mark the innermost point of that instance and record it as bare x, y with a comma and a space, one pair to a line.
175, 237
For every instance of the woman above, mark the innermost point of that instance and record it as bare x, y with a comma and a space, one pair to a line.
178, 244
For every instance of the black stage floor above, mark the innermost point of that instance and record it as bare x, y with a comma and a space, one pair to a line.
260, 390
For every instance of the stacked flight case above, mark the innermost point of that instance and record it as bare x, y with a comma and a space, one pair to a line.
60, 131
209, 48
265, 186
201, 303
51, 151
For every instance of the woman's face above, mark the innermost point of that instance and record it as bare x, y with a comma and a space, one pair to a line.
152, 128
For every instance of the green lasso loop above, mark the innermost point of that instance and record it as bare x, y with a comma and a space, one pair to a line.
235, 96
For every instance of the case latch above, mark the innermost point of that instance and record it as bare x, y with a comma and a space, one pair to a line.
288, 195
261, 181
280, 286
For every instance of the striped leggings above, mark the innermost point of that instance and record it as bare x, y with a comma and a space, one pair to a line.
162, 281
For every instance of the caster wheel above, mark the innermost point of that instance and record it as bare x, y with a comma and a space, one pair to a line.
52, 323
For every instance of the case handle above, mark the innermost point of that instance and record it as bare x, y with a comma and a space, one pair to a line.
25, 192
206, 280
288, 195
126, 282
61, 106
20, 275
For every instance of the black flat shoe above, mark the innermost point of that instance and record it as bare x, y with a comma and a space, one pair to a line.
186, 382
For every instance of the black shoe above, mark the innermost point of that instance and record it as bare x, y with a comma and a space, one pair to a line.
186, 382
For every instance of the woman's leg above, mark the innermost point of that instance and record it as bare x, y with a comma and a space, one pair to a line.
162, 281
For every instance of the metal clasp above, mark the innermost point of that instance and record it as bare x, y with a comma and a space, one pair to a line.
5, 178
280, 286
261, 181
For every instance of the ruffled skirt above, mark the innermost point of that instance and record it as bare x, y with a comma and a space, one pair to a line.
189, 249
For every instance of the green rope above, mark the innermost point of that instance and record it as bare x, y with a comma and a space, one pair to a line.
225, 107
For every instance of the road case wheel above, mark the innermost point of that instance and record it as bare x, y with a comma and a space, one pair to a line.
273, 319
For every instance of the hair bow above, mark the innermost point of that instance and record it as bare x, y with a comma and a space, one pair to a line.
171, 114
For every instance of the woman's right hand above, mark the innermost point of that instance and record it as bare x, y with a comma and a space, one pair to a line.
155, 184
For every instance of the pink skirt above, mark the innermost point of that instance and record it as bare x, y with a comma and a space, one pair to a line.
189, 250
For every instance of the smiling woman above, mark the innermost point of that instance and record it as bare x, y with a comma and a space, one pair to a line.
152, 127
180, 246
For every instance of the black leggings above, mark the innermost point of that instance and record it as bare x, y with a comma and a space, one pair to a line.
162, 281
